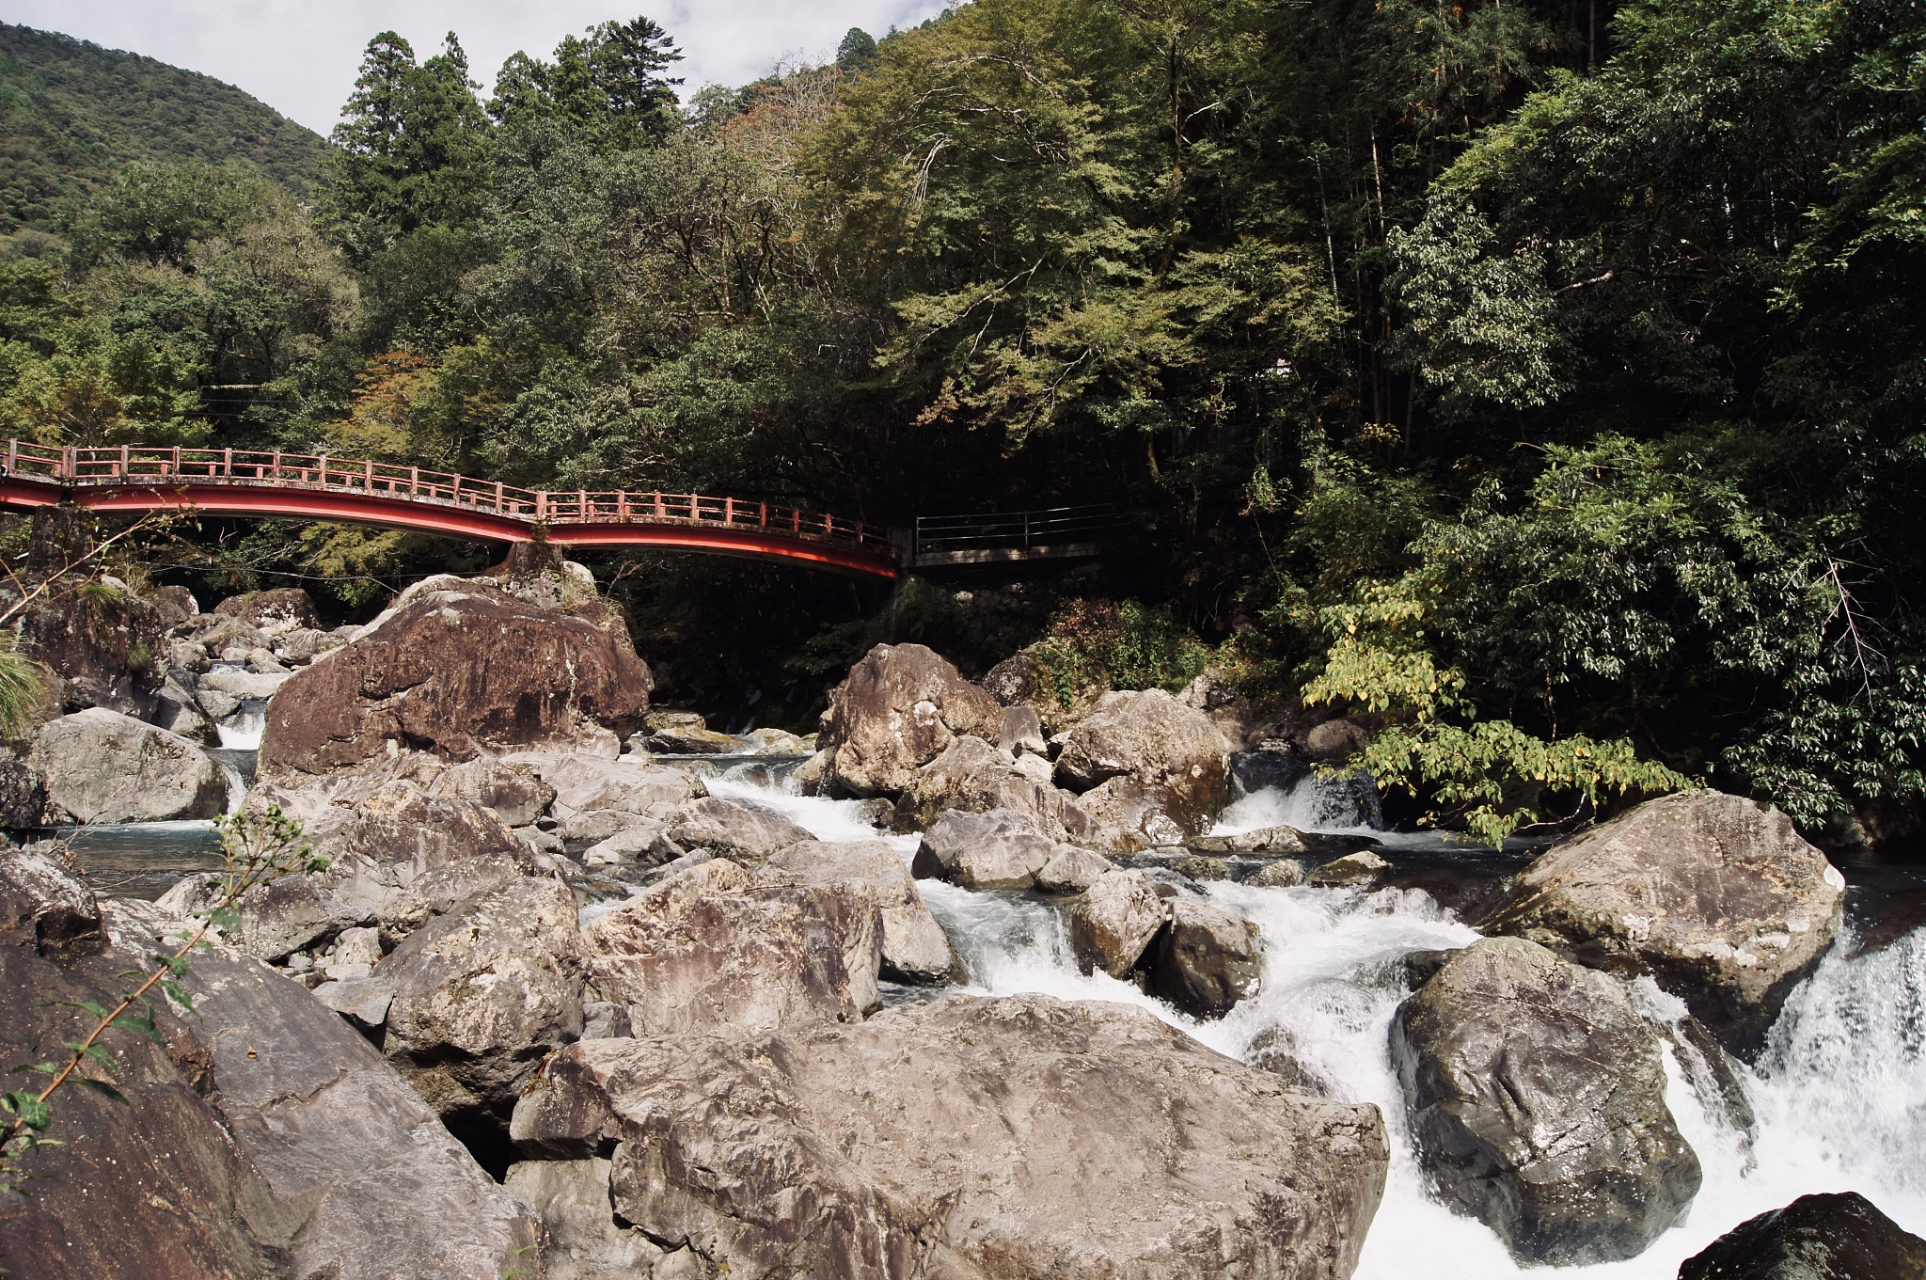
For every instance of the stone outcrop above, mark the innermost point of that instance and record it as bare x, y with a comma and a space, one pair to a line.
1537, 1101
285, 1145
43, 905
1281, 842
1840, 1236
101, 766
1114, 921
482, 993
1168, 750
915, 948
459, 668
1205, 960
712, 948
1716, 896
900, 708
101, 644
954, 1138
996, 850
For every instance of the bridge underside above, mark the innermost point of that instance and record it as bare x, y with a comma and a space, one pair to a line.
444, 519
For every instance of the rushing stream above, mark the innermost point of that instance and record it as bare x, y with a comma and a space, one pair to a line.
1840, 1094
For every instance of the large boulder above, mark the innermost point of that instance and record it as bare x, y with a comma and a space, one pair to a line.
266, 1138
1716, 896
396, 855
102, 766
901, 706
1537, 1100
1000, 849
44, 905
1113, 922
583, 1240
1205, 960
597, 798
915, 948
976, 777
994, 1139
712, 947
482, 994
103, 645
1152, 740
732, 830
460, 668
515, 792
1841, 1236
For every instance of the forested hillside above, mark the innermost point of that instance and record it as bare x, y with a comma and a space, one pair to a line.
72, 113
1544, 379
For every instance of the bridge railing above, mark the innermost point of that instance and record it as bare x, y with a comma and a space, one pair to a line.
135, 464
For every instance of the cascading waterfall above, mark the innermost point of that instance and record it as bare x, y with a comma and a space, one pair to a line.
1839, 1094
242, 730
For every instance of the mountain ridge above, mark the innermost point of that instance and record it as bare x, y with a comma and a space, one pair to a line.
72, 112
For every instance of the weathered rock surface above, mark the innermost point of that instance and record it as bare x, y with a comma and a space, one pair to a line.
273, 613
1281, 842
1112, 923
584, 1241
915, 948
482, 994
1205, 960
43, 905
996, 850
397, 856
711, 948
101, 766
459, 668
1716, 896
973, 776
1354, 869
1072, 870
515, 792
732, 830
1282, 874
103, 647
267, 1139
960, 1139
1139, 815
1537, 1099
901, 706
1157, 742
692, 740
1819, 1237
597, 797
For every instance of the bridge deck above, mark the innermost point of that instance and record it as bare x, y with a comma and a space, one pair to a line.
317, 487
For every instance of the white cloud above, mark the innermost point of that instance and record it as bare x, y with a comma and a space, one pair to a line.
300, 56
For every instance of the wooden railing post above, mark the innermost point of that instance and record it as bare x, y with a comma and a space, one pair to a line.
277, 464
762, 514
622, 505
661, 512
13, 457
728, 511
500, 502
321, 470
124, 455
581, 504
227, 464
414, 482
176, 470
541, 504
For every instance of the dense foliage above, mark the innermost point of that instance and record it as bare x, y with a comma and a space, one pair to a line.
72, 113
1540, 378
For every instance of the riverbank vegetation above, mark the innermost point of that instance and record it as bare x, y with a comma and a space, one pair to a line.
1540, 377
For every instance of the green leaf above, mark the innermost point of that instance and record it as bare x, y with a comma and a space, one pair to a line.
103, 1088
33, 1113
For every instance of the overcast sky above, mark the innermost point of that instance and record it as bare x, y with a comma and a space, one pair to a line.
300, 56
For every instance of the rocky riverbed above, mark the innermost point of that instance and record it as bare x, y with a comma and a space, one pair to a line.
964, 986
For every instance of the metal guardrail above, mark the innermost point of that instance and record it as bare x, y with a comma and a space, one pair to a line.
74, 466
1015, 530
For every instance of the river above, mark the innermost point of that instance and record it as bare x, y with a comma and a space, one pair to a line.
1839, 1093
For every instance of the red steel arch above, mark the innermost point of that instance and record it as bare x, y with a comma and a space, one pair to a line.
231, 482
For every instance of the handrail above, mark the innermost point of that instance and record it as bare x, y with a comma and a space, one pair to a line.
169, 466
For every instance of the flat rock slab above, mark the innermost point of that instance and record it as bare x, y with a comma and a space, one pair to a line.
1024, 1137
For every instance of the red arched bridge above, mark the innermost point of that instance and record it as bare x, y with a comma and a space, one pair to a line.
233, 482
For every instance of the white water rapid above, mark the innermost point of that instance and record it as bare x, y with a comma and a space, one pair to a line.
242, 730
1840, 1094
